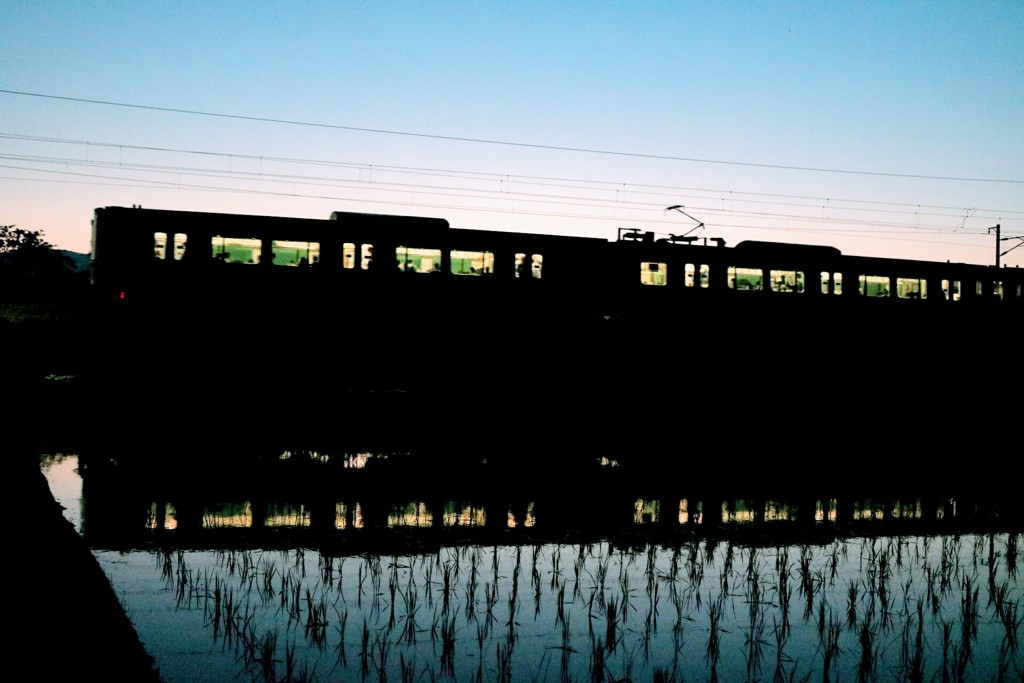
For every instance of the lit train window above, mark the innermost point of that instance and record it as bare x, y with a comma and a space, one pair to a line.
874, 285
653, 273
911, 288
160, 245
746, 279
289, 253
348, 255
415, 260
529, 266
367, 259
835, 280
951, 290
787, 281
236, 249
978, 288
472, 262
705, 275
180, 241
689, 275
997, 289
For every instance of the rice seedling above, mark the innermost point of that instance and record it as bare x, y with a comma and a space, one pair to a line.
867, 664
597, 665
713, 649
611, 624
830, 651
503, 664
448, 647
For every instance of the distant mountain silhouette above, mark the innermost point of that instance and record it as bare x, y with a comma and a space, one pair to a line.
81, 261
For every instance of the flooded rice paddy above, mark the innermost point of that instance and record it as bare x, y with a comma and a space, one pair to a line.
380, 587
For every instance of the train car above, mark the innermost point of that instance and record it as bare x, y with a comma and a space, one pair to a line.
401, 296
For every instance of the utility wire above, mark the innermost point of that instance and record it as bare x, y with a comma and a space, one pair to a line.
506, 143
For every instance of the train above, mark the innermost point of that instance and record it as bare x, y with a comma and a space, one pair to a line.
412, 291
492, 339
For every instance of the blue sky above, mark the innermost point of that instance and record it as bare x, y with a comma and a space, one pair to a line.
882, 128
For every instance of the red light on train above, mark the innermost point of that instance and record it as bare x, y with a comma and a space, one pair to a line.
122, 296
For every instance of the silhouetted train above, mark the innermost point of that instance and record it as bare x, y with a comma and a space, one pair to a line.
136, 250
399, 288
503, 337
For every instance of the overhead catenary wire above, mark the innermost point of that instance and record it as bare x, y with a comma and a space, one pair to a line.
507, 143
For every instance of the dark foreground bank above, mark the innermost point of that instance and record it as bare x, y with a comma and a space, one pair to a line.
67, 622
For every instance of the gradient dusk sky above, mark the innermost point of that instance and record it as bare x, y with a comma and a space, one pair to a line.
882, 128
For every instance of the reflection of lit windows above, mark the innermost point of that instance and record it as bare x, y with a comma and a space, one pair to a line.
414, 260
873, 285
911, 288
746, 279
286, 516
529, 266
825, 511
348, 517
472, 262
236, 249
289, 253
527, 521
646, 511
160, 245
228, 516
786, 280
463, 515
689, 511
653, 273
410, 514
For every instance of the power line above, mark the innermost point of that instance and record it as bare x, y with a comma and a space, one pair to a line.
544, 181
506, 143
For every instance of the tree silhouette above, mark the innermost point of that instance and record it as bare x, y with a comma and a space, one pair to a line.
31, 269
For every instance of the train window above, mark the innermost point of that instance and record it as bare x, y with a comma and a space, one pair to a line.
705, 275
951, 290
367, 259
653, 273
472, 262
160, 245
978, 288
787, 281
746, 279
911, 288
289, 253
833, 280
180, 240
529, 266
874, 285
415, 260
348, 255
236, 249
997, 289
689, 275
